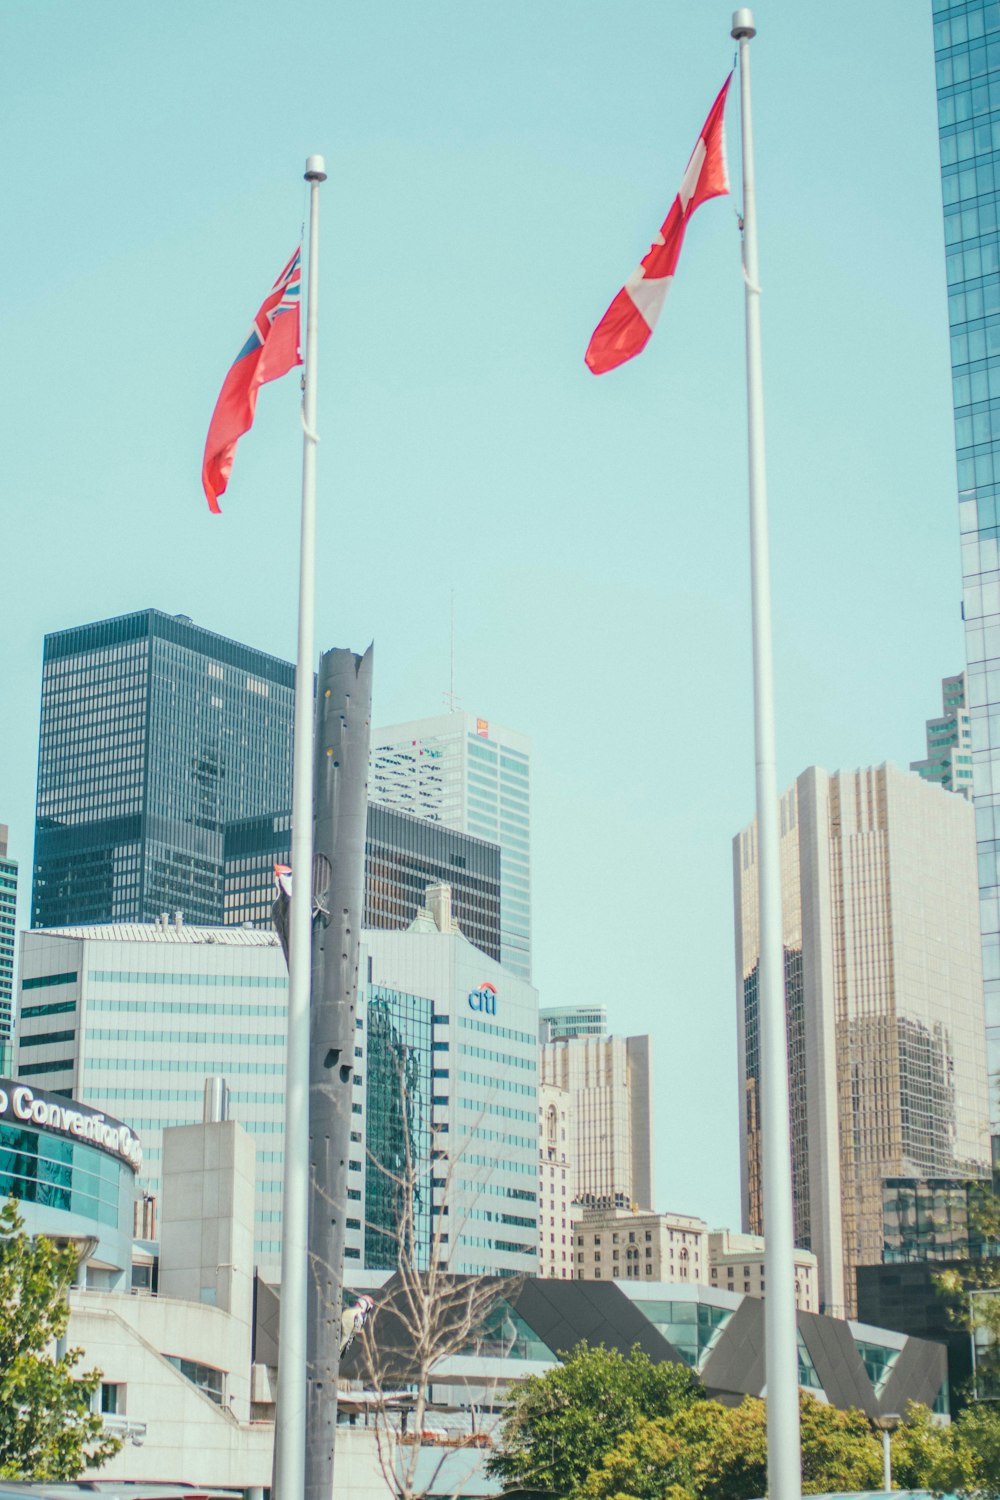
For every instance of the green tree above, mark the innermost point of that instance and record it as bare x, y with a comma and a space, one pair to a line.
47, 1428
839, 1449
559, 1425
978, 1272
926, 1456
976, 1434
714, 1452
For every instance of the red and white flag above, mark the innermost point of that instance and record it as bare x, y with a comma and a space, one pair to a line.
270, 351
624, 330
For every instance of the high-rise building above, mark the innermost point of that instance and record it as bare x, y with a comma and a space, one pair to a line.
132, 1018
154, 735
8, 927
884, 1005
949, 741
403, 856
967, 58
470, 774
565, 1021
609, 1082
484, 1089
557, 1212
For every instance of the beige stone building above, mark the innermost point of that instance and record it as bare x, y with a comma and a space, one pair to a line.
609, 1083
556, 1211
884, 1003
736, 1264
616, 1245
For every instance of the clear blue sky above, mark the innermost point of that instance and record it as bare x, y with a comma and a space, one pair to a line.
496, 170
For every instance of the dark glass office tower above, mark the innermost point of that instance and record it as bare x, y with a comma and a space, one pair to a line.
154, 735
403, 856
967, 57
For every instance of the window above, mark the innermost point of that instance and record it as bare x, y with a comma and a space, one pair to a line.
207, 1379
112, 1399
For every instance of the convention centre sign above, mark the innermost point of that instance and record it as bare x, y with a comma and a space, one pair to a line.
27, 1106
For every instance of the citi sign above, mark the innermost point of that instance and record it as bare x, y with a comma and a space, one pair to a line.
484, 999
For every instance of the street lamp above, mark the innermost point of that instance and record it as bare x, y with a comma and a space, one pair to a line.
887, 1424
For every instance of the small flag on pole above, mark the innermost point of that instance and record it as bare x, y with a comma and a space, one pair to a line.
271, 349
624, 330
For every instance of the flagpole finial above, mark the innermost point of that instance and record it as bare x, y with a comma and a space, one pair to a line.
316, 167
743, 24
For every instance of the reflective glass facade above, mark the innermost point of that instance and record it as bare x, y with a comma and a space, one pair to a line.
8, 923
468, 773
967, 57
692, 1327
398, 1101
403, 856
154, 735
933, 1219
39, 1167
797, 1098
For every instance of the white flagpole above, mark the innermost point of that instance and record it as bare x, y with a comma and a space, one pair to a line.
290, 1416
784, 1464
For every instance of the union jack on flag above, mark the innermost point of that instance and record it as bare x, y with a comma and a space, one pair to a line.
271, 350
282, 298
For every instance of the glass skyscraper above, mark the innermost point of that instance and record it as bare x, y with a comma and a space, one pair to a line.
967, 55
8, 923
403, 856
154, 735
471, 774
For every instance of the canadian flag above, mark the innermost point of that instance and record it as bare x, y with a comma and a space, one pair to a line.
624, 330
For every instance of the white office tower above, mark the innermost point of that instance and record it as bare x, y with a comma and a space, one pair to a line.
609, 1082
558, 1021
461, 1034
132, 1019
884, 1004
556, 1211
469, 774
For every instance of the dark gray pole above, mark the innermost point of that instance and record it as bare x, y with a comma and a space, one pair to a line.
343, 736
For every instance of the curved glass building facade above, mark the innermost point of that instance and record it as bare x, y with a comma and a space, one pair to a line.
72, 1172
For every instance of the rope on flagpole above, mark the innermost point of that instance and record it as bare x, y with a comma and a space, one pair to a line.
312, 436
751, 286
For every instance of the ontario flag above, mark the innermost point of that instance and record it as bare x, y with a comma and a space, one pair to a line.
624, 330
271, 349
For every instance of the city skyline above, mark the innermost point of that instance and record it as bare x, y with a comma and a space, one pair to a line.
570, 516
